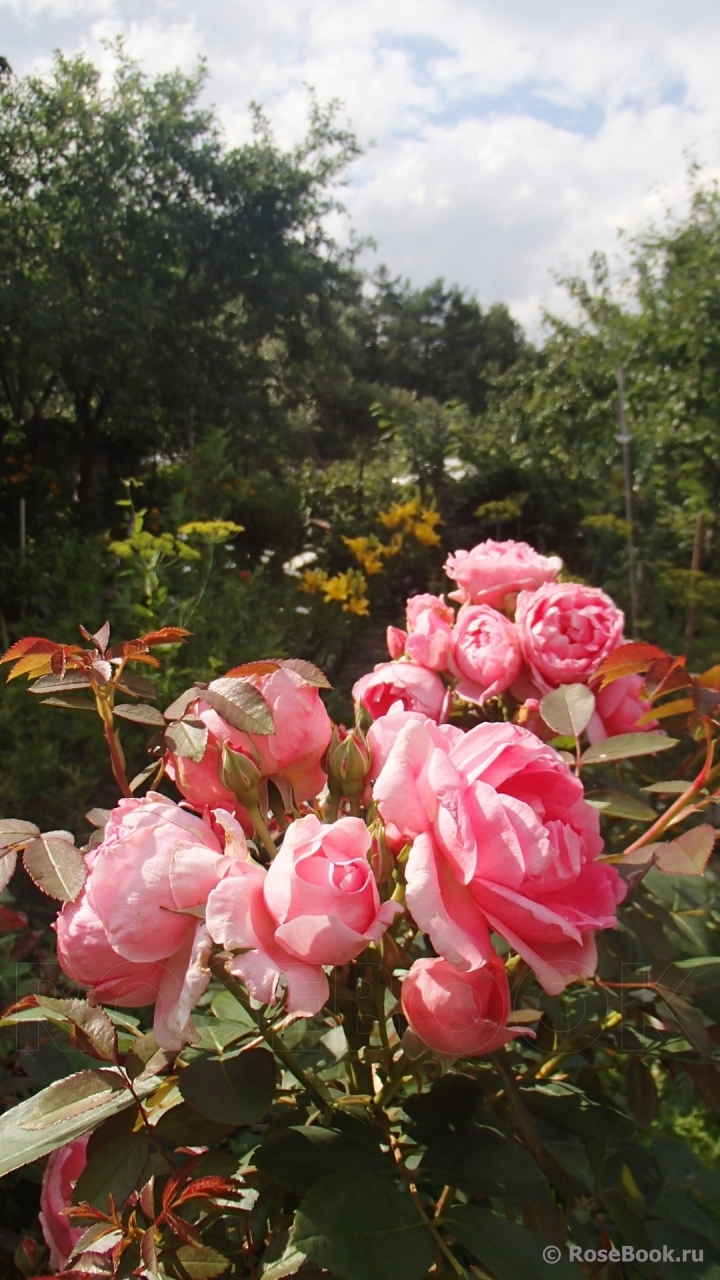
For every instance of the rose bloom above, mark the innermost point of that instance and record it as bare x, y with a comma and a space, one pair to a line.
494, 570
566, 630
414, 687
618, 709
503, 840
62, 1171
485, 654
290, 755
128, 936
455, 1013
429, 625
317, 905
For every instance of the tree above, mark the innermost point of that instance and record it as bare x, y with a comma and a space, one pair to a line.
439, 342
152, 279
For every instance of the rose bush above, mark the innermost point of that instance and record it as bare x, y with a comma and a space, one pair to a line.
332, 920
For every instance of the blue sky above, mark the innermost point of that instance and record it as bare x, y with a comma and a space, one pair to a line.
504, 142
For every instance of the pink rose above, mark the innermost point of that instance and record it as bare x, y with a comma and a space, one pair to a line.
503, 840
413, 686
485, 654
198, 781
618, 709
238, 918
458, 1014
62, 1171
494, 570
132, 935
429, 624
291, 755
566, 630
303, 730
317, 905
382, 734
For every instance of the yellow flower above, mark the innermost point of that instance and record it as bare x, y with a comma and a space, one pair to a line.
212, 531
425, 534
313, 580
400, 513
358, 605
337, 588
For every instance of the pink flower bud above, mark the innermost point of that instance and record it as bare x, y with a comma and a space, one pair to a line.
458, 1013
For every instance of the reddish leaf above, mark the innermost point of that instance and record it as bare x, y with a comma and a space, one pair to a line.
58, 663
666, 674
212, 1185
11, 920
147, 658
628, 660
262, 668
178, 1179
705, 699
678, 707
182, 1229
34, 664
167, 635
29, 644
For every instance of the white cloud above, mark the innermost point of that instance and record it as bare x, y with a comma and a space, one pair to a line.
511, 139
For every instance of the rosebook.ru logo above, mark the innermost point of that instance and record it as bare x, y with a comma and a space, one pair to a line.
626, 1253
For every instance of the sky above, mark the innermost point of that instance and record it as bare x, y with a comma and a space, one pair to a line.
504, 140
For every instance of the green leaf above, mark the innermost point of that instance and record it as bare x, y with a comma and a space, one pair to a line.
450, 1104
240, 703
8, 862
56, 867
72, 680
569, 709
201, 1262
233, 1090
309, 672
115, 1169
95, 1032
299, 1156
187, 737
688, 1019
509, 1250
65, 1110
673, 787
227, 1008
625, 745
14, 833
617, 804
573, 1111
140, 713
686, 854
484, 1162
361, 1227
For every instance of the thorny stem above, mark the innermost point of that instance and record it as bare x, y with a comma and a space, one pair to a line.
678, 805
521, 1115
104, 708
430, 1223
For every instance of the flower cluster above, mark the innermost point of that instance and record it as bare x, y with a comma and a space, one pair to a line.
518, 632
268, 863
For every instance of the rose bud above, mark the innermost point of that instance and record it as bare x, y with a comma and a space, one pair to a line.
240, 775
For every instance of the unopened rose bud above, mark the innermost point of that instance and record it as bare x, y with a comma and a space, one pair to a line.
381, 859
241, 776
26, 1256
348, 764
